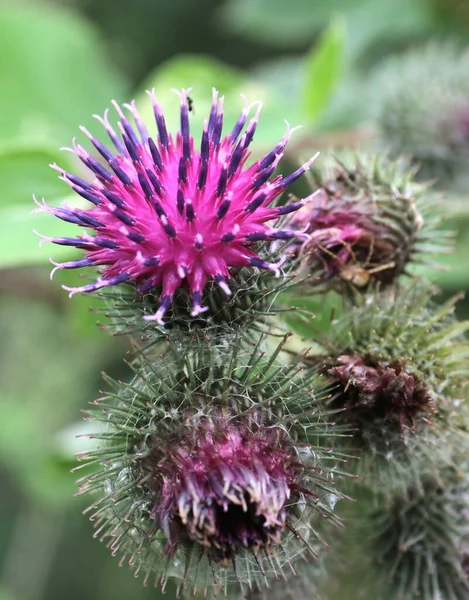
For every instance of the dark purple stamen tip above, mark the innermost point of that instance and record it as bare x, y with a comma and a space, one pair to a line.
105, 153
150, 262
78, 181
155, 182
97, 168
269, 158
159, 209
162, 131
262, 177
146, 286
104, 242
169, 229
76, 242
287, 181
123, 216
113, 198
165, 303
285, 210
221, 187
121, 174
77, 264
258, 262
87, 195
238, 126
217, 130
190, 213
212, 120
182, 170
69, 216
235, 159
256, 202
138, 238
91, 221
227, 238
155, 154
202, 179
223, 208
131, 149
205, 146
147, 190
180, 201
129, 131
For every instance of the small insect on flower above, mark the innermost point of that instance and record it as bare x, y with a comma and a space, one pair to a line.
190, 104
167, 215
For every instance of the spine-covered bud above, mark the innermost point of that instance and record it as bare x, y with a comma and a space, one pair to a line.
416, 532
212, 469
423, 108
368, 222
399, 364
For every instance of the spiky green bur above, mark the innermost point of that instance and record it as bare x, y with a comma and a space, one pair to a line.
212, 468
251, 303
406, 535
400, 366
419, 536
367, 224
424, 108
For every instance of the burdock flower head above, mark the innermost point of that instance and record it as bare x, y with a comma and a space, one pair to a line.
399, 363
212, 468
168, 215
366, 223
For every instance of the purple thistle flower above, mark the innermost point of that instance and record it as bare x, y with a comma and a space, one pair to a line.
168, 215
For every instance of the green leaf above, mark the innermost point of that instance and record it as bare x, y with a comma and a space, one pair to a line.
54, 73
280, 23
202, 73
323, 69
19, 245
25, 170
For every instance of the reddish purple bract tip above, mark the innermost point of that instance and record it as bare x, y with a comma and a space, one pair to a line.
167, 215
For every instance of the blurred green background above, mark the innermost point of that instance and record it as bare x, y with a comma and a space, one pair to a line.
61, 62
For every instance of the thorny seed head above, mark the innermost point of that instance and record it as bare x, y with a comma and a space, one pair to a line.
167, 215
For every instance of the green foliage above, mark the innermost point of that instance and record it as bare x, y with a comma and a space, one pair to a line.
323, 69
202, 74
423, 108
56, 75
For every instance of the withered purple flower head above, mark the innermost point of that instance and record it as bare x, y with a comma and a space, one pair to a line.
212, 468
368, 221
371, 391
225, 486
168, 215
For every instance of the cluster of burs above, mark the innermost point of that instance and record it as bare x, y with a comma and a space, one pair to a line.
260, 451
